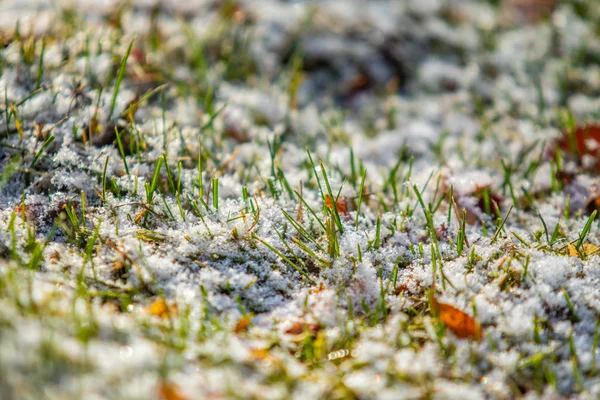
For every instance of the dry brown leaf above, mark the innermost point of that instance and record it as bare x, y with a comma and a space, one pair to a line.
140, 215
169, 391
358, 84
526, 11
474, 211
457, 321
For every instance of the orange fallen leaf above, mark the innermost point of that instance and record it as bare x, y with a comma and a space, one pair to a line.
160, 309
296, 329
318, 289
584, 140
340, 204
459, 322
260, 354
24, 211
242, 324
300, 327
169, 391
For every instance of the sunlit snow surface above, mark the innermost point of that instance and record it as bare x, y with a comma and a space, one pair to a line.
441, 92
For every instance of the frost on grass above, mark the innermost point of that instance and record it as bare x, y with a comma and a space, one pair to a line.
256, 199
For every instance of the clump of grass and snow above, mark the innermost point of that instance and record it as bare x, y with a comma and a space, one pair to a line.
252, 199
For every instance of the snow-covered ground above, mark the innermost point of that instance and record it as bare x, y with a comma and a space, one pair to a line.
168, 175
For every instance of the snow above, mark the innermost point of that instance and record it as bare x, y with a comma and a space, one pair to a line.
85, 307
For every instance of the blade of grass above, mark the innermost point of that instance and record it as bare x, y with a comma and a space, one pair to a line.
301, 230
497, 234
122, 151
154, 183
310, 252
360, 195
104, 179
120, 76
338, 220
215, 187
284, 258
40, 70
310, 210
41, 150
586, 230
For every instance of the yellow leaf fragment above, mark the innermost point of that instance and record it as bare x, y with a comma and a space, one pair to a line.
585, 250
589, 248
